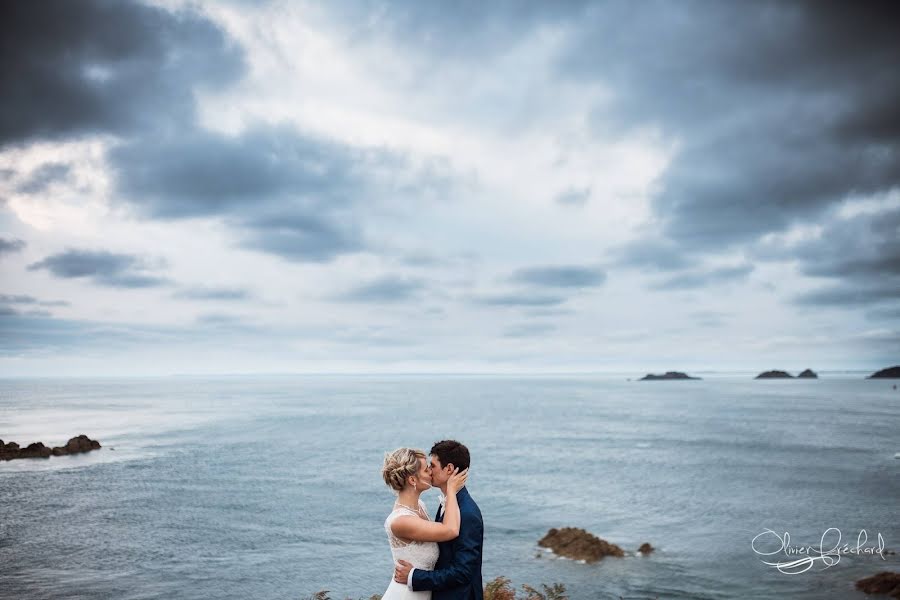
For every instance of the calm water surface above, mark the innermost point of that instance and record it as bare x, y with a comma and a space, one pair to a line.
271, 488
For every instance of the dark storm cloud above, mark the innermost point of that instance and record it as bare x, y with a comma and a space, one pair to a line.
288, 194
213, 293
782, 109
285, 193
43, 176
857, 258
860, 247
201, 173
133, 70
698, 279
389, 288
8, 246
101, 267
560, 276
130, 69
71, 68
720, 193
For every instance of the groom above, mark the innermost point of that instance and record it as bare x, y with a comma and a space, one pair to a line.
457, 574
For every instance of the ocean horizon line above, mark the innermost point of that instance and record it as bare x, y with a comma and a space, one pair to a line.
462, 373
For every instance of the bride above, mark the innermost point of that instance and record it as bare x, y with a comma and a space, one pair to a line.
412, 534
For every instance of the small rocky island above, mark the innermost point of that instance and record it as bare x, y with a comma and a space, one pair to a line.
676, 375
578, 544
774, 375
76, 445
808, 374
889, 373
646, 549
885, 582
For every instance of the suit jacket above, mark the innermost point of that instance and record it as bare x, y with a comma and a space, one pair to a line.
457, 573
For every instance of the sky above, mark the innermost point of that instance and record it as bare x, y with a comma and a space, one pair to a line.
432, 187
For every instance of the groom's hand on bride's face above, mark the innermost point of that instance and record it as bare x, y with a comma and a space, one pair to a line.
401, 571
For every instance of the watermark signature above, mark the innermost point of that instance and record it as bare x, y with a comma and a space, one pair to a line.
828, 552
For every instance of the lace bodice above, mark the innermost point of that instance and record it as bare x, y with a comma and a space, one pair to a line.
422, 555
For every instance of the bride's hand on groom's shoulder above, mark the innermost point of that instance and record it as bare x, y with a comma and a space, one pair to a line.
457, 480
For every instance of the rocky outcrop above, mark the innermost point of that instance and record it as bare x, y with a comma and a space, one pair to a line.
885, 582
667, 375
578, 544
889, 373
808, 374
79, 444
12, 450
774, 375
646, 548
76, 445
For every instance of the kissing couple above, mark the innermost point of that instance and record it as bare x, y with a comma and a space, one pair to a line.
439, 559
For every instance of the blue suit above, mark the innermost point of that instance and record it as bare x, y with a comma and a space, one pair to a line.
457, 574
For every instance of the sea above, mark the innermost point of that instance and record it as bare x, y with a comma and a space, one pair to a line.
269, 487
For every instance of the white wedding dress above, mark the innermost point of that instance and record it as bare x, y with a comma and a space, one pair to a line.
421, 555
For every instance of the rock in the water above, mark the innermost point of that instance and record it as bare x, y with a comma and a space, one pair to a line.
774, 375
808, 374
667, 375
885, 582
578, 544
35, 450
82, 443
889, 373
9, 450
645, 548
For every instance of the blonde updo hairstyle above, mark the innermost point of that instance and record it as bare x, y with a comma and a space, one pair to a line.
400, 464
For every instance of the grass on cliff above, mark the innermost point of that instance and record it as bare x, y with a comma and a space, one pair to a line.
497, 589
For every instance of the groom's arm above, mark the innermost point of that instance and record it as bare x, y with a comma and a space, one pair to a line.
466, 555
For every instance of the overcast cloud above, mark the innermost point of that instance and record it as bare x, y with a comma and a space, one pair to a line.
407, 186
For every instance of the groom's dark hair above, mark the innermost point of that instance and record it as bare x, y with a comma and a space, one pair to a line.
451, 451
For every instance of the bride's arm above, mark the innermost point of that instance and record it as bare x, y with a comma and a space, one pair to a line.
420, 530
